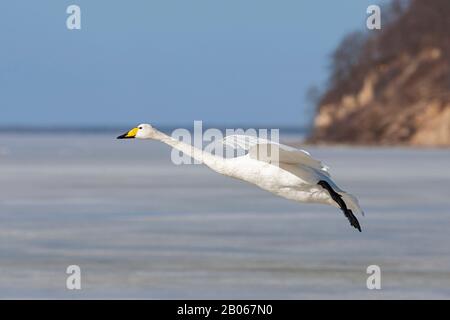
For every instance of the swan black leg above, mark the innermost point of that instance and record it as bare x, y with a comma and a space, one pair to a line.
337, 197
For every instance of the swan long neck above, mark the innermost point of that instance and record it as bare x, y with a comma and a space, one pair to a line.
212, 161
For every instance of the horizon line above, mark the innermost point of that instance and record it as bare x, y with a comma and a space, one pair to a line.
117, 127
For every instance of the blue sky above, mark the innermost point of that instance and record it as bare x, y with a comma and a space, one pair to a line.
166, 61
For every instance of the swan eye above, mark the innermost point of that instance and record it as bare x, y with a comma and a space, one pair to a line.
140, 128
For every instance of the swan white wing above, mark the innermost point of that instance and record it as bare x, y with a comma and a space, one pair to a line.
245, 142
286, 154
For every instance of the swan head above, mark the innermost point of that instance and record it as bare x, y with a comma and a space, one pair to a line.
142, 131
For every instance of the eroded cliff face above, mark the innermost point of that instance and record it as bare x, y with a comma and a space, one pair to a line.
400, 97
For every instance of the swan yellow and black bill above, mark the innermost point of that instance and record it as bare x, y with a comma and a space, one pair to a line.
129, 135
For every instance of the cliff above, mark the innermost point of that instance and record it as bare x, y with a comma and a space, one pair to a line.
391, 86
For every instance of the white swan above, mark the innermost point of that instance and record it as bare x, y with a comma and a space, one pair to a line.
295, 175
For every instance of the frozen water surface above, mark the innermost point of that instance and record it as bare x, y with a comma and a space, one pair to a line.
141, 227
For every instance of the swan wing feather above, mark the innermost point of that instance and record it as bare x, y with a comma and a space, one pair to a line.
286, 154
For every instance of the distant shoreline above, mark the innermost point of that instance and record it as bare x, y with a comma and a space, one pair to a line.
115, 129
294, 136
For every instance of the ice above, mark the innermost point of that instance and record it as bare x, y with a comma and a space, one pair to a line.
141, 227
